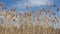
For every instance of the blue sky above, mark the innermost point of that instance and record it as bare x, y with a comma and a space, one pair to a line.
34, 4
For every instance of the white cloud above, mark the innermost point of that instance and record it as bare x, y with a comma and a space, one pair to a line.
34, 2
39, 2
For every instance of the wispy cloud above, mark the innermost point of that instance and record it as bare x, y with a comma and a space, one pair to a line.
34, 2
39, 2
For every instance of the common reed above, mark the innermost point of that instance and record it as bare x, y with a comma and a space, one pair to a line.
24, 23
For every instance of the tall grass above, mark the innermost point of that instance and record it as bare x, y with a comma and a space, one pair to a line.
29, 22
27, 26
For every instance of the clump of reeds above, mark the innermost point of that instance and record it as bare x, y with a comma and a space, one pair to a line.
26, 23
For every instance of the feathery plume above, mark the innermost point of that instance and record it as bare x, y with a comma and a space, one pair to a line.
50, 5
57, 9
54, 5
